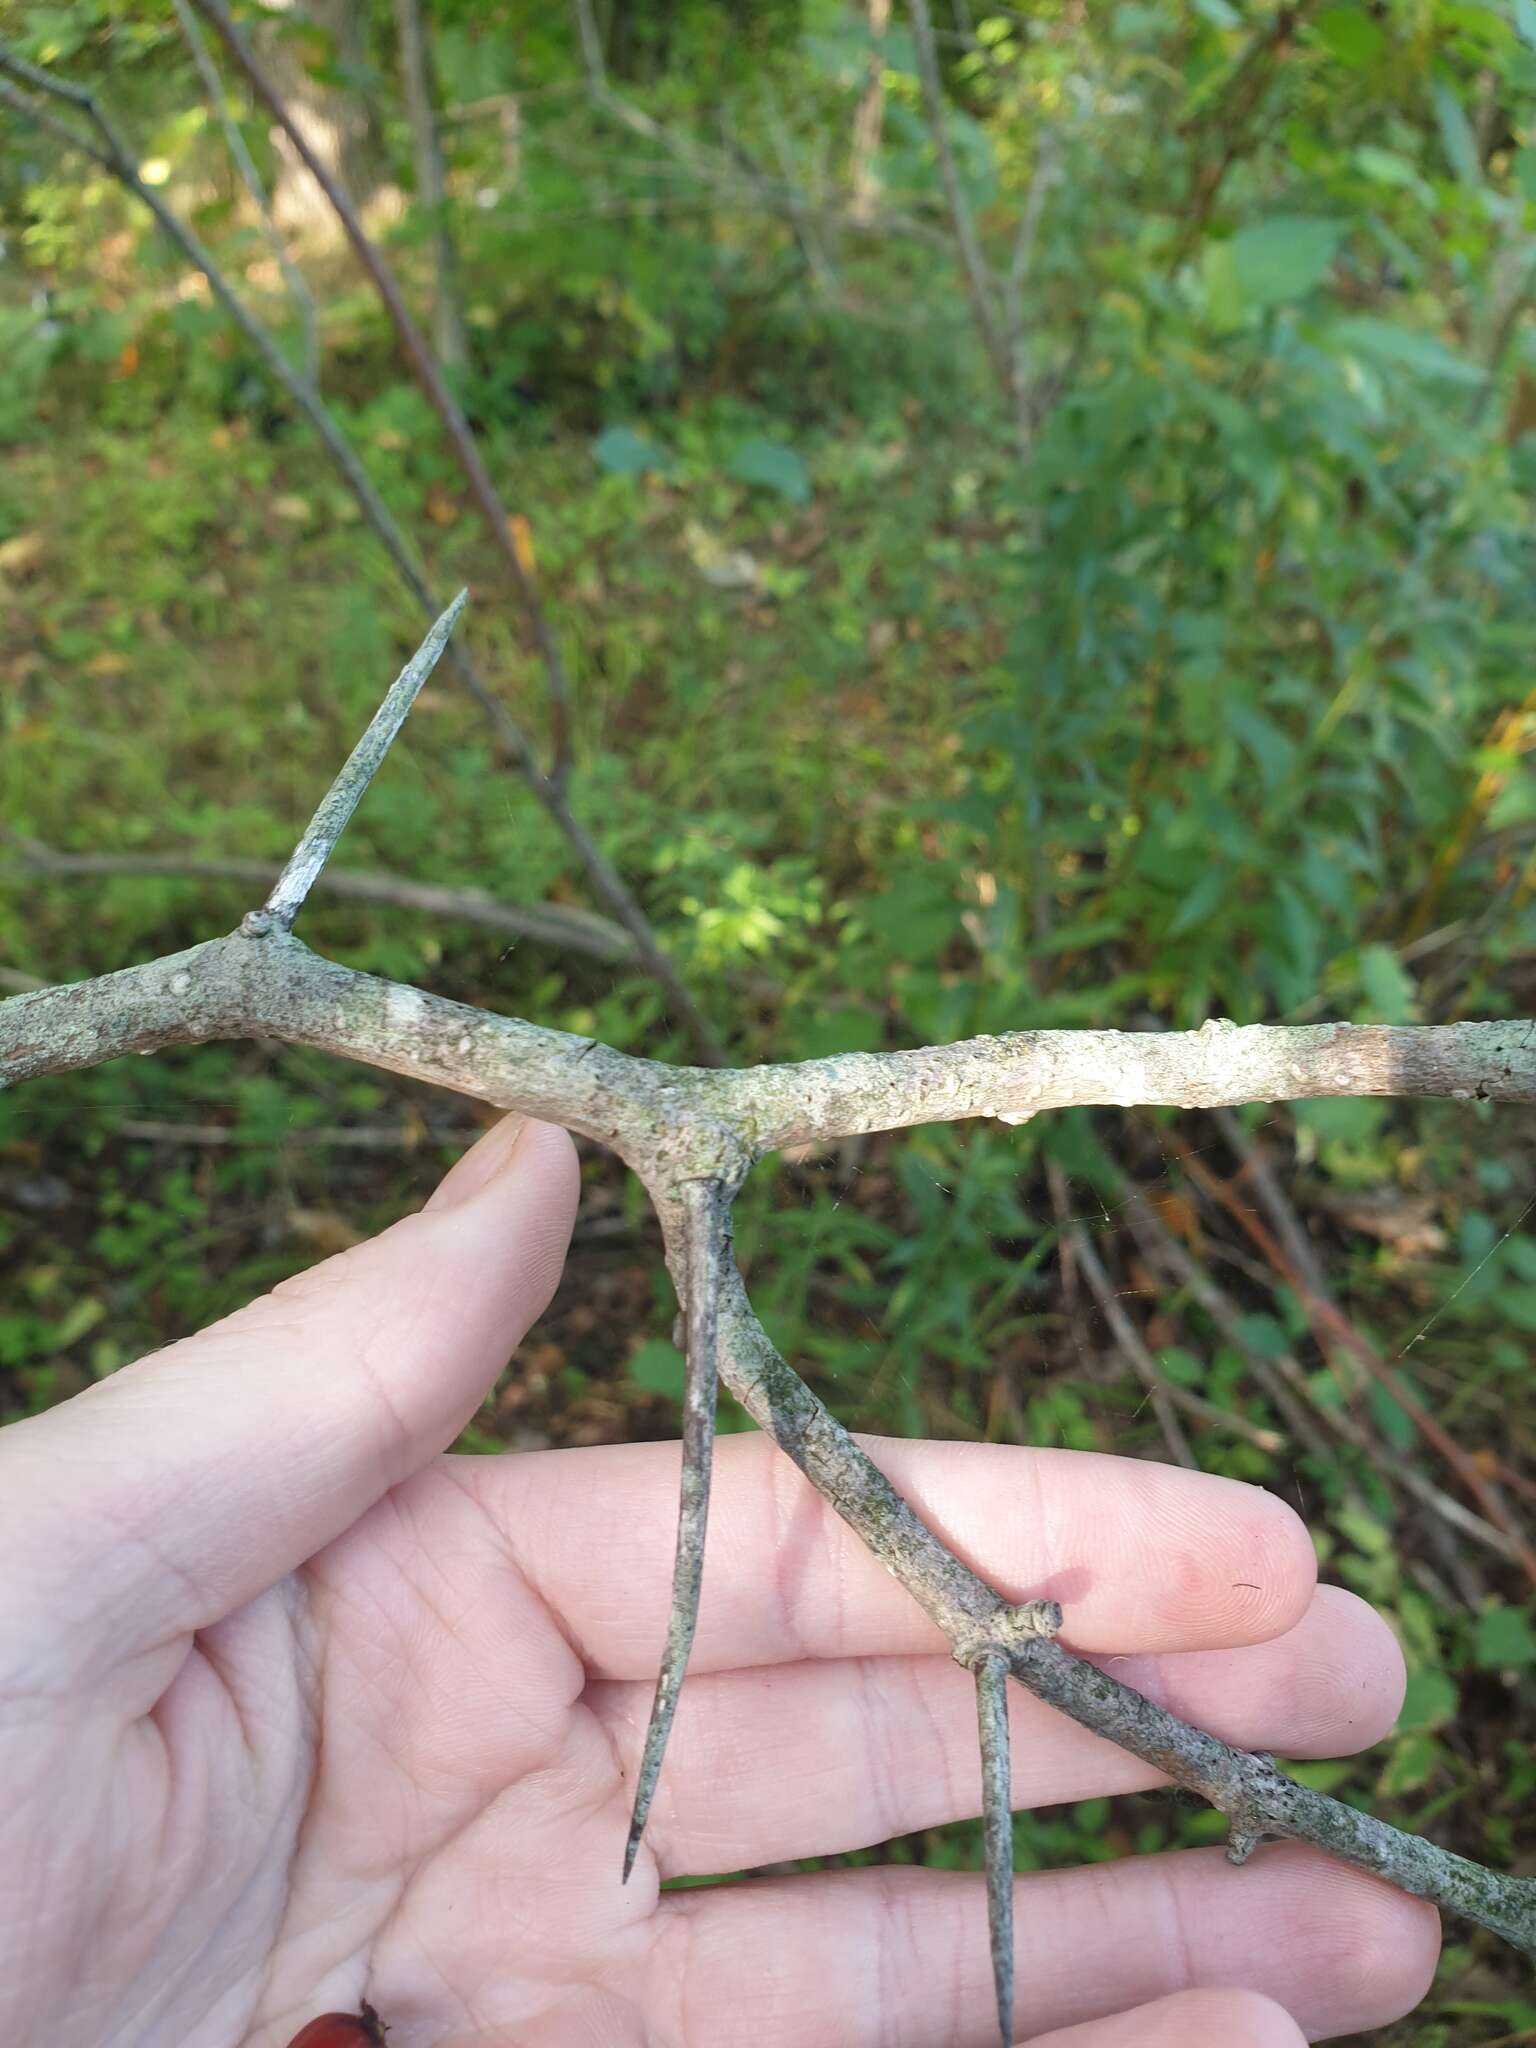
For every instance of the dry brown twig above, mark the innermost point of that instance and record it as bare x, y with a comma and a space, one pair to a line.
690, 1135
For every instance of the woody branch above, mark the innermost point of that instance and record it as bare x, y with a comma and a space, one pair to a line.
690, 1134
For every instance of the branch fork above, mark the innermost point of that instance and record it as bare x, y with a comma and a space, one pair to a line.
690, 1134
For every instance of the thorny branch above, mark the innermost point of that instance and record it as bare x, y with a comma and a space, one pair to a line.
705, 1207
990, 1670
690, 1134
286, 898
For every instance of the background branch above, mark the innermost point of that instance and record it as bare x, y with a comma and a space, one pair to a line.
1335, 1332
980, 284
448, 334
251, 178
555, 924
112, 155
428, 373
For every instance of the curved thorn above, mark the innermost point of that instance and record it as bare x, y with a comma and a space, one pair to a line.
705, 1209
991, 1669
345, 793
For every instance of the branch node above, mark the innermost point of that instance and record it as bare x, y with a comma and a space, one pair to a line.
1005, 1632
1242, 1840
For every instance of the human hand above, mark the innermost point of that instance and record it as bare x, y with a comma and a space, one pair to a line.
294, 1710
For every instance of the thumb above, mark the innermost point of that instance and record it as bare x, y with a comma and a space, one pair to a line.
167, 1496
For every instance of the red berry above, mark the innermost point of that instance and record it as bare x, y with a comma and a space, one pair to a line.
342, 2030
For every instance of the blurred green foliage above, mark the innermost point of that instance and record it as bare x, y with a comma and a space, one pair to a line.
1216, 698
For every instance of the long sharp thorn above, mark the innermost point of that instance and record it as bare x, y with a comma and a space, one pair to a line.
704, 1204
997, 1825
346, 792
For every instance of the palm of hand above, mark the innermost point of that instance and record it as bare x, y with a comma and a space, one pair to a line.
380, 1772
303, 1714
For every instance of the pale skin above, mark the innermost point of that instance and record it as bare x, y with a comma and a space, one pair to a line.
296, 1710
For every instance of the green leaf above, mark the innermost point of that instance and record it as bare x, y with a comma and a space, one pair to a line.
1283, 258
1181, 1366
658, 1367
1413, 1762
1517, 1305
1456, 134
773, 465
1212, 888
916, 914
85, 1315
1403, 348
1351, 36
1389, 987
1363, 1531
1502, 1637
1429, 1701
839, 1027
1322, 1775
1391, 1417
1388, 168
623, 452
1223, 292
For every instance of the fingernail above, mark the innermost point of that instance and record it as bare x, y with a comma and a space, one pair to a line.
485, 1159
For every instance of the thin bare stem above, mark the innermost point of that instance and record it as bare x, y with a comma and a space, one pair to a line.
554, 924
1285, 1383
980, 284
1162, 1391
1286, 1223
1239, 101
1335, 1332
431, 185
1028, 410
1128, 1343
1258, 1799
251, 178
334, 812
991, 1673
706, 1217
864, 150
428, 373
1168, 1400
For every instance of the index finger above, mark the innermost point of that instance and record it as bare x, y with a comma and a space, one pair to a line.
1143, 1557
